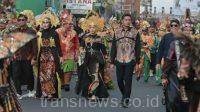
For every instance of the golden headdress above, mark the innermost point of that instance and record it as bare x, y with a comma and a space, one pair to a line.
48, 14
81, 21
66, 16
165, 24
68, 19
29, 14
93, 19
145, 25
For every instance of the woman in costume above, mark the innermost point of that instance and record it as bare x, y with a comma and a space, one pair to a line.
153, 50
94, 60
147, 45
107, 35
49, 52
69, 46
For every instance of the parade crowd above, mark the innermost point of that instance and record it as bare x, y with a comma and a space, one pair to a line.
92, 48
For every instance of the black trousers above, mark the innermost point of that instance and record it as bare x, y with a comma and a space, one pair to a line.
153, 63
124, 74
22, 74
83, 81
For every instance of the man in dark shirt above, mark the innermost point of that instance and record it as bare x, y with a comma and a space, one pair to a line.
169, 78
22, 69
166, 41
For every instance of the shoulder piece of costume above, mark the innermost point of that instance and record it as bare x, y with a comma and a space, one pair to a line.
92, 38
61, 31
48, 14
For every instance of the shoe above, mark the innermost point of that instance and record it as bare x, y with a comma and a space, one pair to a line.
93, 98
125, 105
31, 93
63, 86
138, 78
19, 96
67, 87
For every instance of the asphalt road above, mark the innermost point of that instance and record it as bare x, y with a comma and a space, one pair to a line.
145, 97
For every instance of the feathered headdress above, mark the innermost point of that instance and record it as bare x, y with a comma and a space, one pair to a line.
66, 17
48, 14
93, 19
29, 14
145, 25
187, 22
190, 51
187, 14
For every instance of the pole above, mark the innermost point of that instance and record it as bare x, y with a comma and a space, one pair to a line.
121, 7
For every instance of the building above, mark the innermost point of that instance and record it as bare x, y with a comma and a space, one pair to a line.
127, 6
169, 7
157, 7
77, 6
181, 5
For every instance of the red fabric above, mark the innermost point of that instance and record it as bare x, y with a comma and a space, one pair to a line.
76, 42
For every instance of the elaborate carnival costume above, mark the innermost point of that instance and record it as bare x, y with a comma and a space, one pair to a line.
93, 60
181, 69
107, 36
49, 52
154, 35
188, 71
8, 46
69, 46
147, 46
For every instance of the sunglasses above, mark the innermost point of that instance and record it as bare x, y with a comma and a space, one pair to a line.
71, 24
21, 20
174, 25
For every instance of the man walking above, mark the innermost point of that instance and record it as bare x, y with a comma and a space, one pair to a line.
125, 55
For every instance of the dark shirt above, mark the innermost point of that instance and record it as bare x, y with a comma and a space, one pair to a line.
78, 30
164, 47
1, 63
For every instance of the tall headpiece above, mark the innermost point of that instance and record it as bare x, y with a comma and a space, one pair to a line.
48, 14
93, 19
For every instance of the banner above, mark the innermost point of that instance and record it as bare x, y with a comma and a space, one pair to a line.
79, 4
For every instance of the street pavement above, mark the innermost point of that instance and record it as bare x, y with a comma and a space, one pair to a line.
145, 97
